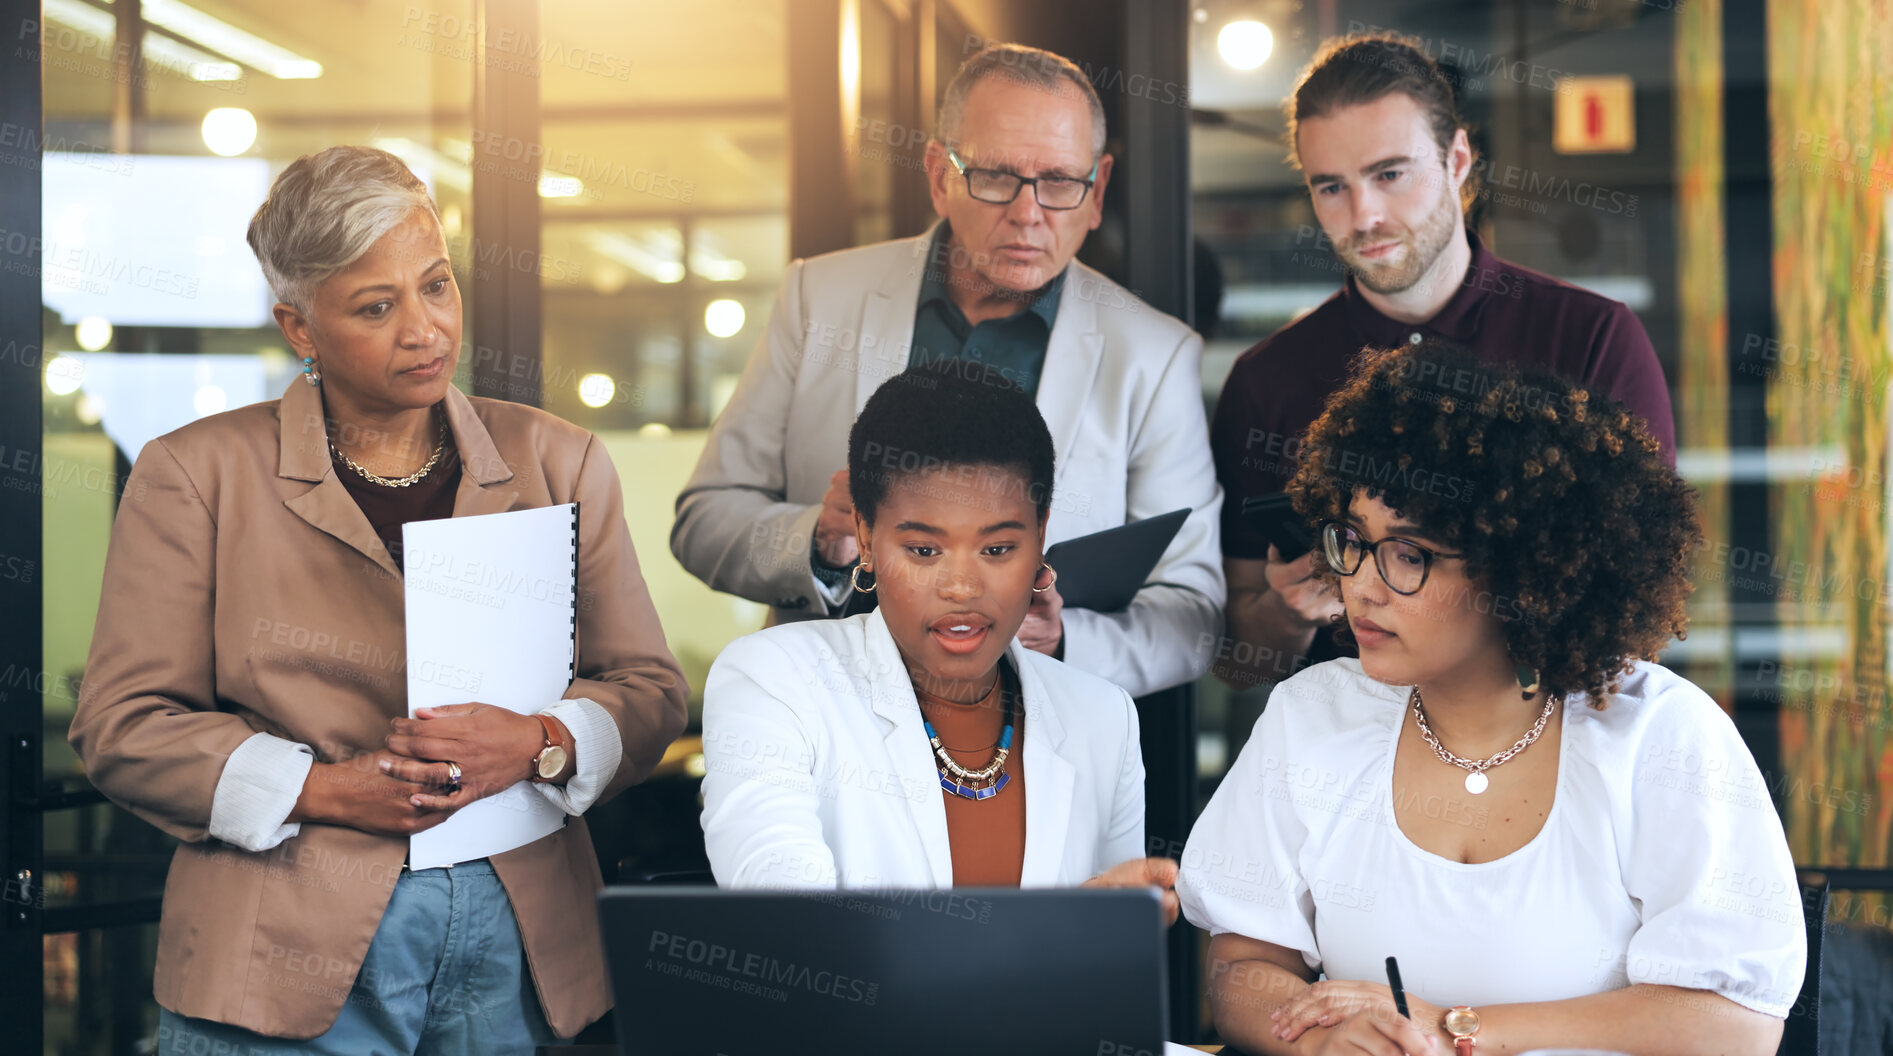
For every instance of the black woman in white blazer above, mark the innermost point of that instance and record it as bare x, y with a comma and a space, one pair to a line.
821, 771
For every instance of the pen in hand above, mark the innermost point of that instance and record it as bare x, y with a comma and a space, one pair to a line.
1399, 994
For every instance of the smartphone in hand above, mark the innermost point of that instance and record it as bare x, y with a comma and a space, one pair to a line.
1275, 517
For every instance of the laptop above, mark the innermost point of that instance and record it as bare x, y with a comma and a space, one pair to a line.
703, 972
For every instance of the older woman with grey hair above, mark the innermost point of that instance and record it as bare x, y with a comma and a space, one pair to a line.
247, 686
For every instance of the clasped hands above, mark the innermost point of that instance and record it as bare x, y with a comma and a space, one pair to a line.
407, 787
1360, 1017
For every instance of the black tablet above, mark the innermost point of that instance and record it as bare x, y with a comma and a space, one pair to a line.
1104, 570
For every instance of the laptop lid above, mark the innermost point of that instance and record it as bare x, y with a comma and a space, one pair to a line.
702, 972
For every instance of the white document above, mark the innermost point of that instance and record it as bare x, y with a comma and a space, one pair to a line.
490, 619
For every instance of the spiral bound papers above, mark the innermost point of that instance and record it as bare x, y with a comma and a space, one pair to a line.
492, 617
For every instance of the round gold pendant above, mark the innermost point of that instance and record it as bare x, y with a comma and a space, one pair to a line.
1476, 782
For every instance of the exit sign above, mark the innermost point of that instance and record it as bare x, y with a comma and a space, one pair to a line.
1594, 115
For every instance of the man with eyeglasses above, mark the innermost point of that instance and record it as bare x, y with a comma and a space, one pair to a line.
1017, 172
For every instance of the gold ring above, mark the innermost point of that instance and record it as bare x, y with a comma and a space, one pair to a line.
453, 774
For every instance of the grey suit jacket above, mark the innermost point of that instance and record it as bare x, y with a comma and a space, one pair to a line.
1121, 393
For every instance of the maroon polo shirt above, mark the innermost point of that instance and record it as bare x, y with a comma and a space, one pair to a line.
1501, 313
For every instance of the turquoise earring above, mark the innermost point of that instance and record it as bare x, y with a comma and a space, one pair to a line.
1527, 681
309, 372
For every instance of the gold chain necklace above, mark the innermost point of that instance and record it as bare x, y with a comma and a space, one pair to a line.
440, 447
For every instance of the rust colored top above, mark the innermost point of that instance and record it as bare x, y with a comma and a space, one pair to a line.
987, 836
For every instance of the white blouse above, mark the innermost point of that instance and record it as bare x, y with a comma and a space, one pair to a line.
1662, 859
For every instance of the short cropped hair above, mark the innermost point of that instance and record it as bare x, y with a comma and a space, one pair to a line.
1362, 68
932, 418
324, 211
1558, 496
1036, 67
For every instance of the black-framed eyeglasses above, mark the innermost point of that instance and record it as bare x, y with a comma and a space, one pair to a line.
1000, 187
1402, 564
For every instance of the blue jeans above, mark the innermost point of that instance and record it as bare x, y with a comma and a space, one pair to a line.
446, 973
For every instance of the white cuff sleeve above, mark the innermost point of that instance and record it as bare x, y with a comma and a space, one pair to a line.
599, 749
258, 788
835, 595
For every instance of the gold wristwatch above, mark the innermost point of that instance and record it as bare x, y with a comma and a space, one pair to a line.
551, 759
1462, 1023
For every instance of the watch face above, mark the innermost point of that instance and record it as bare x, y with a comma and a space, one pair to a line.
1462, 1021
551, 761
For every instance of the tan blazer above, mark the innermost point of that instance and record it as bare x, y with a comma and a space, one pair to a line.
245, 591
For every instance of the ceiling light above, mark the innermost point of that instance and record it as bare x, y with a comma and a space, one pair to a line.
229, 130
427, 162
1245, 44
596, 390
220, 36
64, 375
453, 171
160, 50
552, 185
718, 268
633, 254
209, 400
723, 318
708, 261
93, 333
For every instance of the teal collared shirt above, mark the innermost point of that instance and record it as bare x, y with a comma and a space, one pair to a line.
1007, 351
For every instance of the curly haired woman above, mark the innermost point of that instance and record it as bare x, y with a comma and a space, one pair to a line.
1563, 843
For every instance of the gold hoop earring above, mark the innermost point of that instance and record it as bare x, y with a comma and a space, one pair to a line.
1047, 567
854, 578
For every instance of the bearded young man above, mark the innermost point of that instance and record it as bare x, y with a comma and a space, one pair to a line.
1373, 127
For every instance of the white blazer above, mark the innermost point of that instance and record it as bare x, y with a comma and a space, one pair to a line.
1121, 392
819, 773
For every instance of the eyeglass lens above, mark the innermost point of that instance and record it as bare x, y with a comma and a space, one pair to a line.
1053, 192
1402, 565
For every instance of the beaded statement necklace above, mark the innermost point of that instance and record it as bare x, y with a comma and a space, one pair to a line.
987, 781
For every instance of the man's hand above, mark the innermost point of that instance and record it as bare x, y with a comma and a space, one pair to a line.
493, 746
1304, 597
834, 529
1044, 626
360, 793
1160, 873
1274, 611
